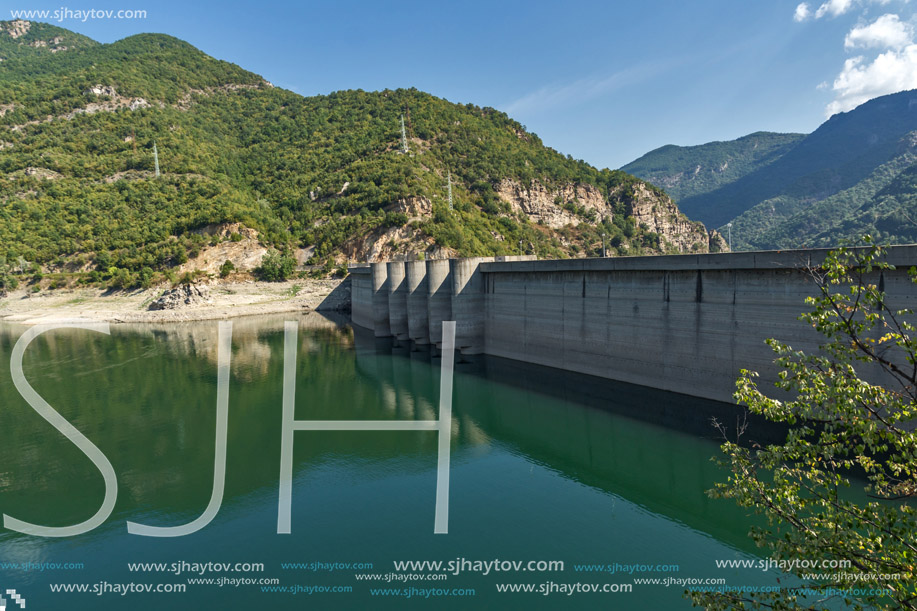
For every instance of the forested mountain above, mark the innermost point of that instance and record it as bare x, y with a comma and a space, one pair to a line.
831, 186
687, 171
325, 175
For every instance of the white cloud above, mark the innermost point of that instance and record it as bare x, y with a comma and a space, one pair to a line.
888, 31
802, 12
860, 81
833, 8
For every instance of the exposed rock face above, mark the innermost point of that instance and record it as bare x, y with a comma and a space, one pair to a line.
556, 207
18, 28
392, 244
413, 207
396, 243
717, 242
187, 99
114, 102
183, 296
543, 204
128, 175
660, 215
102, 90
245, 254
43, 173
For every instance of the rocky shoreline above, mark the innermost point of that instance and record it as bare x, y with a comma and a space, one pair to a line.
184, 303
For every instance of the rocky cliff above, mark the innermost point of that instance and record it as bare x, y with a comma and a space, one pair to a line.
659, 214
573, 204
555, 207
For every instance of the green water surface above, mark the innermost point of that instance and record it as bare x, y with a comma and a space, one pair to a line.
544, 466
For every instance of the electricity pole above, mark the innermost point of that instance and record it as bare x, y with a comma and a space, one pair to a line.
449, 186
404, 137
156, 159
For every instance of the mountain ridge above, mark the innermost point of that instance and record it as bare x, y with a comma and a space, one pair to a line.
685, 171
769, 205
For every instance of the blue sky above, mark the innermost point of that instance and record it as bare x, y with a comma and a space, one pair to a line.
604, 81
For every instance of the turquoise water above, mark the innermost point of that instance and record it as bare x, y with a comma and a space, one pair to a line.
545, 466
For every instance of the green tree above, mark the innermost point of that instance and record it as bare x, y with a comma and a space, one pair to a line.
843, 483
276, 267
227, 268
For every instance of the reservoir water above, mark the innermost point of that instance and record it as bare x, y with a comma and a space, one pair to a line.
545, 466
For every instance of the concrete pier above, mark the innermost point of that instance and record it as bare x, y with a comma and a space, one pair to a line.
397, 300
468, 304
439, 298
380, 303
361, 297
685, 323
415, 277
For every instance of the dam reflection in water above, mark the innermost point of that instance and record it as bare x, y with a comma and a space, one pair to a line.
546, 465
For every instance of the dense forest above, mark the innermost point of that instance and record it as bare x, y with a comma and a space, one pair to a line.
79, 191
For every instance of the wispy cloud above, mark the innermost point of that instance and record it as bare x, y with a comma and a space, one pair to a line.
833, 8
561, 95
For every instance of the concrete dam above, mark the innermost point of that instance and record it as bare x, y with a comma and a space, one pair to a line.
681, 323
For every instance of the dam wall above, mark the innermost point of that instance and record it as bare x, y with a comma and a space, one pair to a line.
682, 323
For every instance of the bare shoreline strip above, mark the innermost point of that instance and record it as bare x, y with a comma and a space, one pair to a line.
226, 300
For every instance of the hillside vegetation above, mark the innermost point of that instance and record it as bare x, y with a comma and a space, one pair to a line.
325, 175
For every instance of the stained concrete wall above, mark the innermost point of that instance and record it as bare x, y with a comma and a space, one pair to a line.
380, 300
415, 278
439, 298
687, 324
361, 296
468, 303
684, 323
397, 300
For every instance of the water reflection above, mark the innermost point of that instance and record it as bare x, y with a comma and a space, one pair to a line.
545, 464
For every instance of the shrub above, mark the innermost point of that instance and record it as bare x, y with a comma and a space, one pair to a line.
8, 281
276, 267
146, 277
